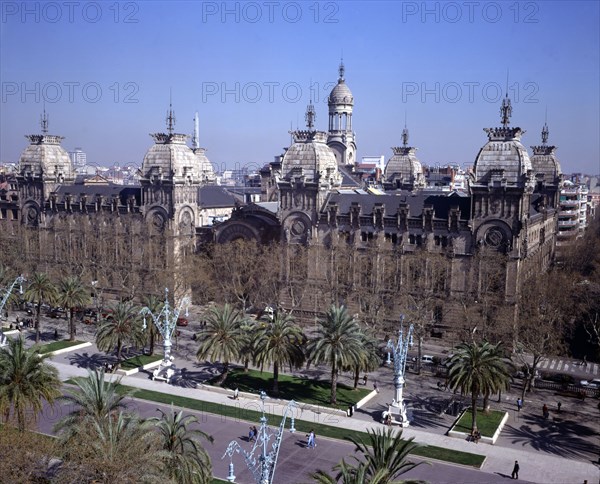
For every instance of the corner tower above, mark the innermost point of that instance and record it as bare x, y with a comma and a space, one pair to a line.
43, 166
546, 170
308, 171
340, 135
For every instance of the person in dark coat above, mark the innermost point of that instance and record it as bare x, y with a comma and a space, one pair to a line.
515, 472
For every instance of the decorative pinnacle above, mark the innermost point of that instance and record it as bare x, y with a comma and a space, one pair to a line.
170, 117
310, 116
342, 69
545, 134
44, 121
405, 136
506, 111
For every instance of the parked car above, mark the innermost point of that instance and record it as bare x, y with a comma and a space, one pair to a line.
595, 383
427, 359
182, 322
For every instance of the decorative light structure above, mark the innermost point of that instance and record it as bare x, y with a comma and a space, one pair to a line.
400, 351
19, 280
166, 322
262, 466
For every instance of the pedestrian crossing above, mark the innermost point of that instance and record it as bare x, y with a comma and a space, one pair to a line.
569, 366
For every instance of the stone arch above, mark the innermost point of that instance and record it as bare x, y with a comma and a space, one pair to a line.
30, 214
236, 230
297, 228
495, 234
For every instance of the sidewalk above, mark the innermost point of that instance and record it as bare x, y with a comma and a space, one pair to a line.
539, 463
535, 466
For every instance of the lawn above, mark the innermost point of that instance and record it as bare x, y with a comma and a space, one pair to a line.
58, 345
139, 361
487, 423
236, 413
316, 392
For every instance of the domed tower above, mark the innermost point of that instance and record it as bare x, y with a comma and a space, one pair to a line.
340, 136
170, 177
403, 170
501, 186
546, 170
43, 166
308, 171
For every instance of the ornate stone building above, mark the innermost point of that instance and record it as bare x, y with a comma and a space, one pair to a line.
97, 226
509, 209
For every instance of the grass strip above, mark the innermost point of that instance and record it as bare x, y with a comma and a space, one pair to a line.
58, 345
487, 423
139, 361
316, 392
302, 426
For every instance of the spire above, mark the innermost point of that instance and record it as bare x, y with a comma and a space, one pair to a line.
545, 134
44, 121
405, 133
545, 131
310, 116
342, 70
506, 111
196, 136
170, 116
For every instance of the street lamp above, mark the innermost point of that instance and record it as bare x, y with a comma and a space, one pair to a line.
260, 461
166, 322
19, 280
400, 351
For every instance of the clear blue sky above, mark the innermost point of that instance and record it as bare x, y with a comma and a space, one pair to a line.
246, 68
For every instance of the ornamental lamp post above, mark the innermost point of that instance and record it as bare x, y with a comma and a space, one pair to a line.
166, 322
260, 461
400, 352
19, 280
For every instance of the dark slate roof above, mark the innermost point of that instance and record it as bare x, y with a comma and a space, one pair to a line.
441, 202
214, 196
103, 190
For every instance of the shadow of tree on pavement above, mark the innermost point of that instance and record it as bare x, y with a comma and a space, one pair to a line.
564, 437
95, 361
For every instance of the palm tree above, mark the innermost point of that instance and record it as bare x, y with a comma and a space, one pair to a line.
477, 368
382, 459
154, 303
222, 338
337, 343
93, 400
279, 342
40, 290
25, 381
185, 460
122, 326
72, 294
121, 449
369, 360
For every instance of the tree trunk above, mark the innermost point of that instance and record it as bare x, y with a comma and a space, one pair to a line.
356, 376
119, 347
275, 378
152, 338
223, 376
419, 353
333, 399
37, 323
474, 412
71, 325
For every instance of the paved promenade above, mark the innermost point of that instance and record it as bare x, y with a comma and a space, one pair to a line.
563, 449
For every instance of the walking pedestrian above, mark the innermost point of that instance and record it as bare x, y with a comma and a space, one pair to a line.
251, 435
515, 472
310, 443
559, 405
375, 387
545, 411
365, 380
519, 404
